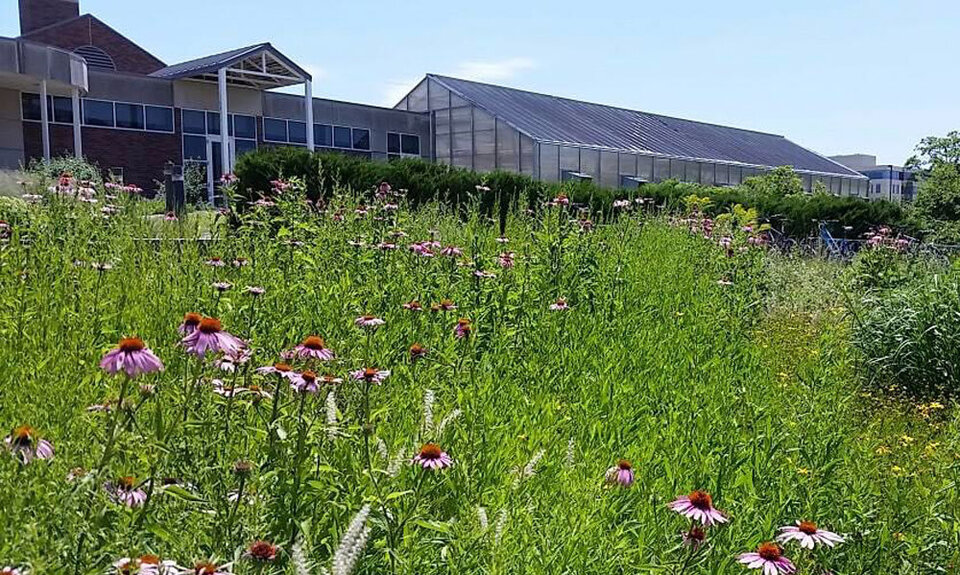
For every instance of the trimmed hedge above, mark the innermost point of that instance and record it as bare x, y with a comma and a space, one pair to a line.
323, 172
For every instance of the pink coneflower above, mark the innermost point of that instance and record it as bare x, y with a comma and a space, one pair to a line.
417, 351
484, 274
699, 506
445, 305
209, 336
694, 537
368, 321
370, 375
125, 492
432, 457
561, 200
207, 568
145, 565
451, 252
503, 240
241, 262
386, 246
313, 347
304, 382
560, 305
229, 362
462, 329
132, 357
621, 204
170, 217
10, 571
102, 266
222, 286
620, 474
256, 393
808, 534
191, 321
25, 444
413, 305
506, 260
261, 551
216, 262
255, 291
769, 557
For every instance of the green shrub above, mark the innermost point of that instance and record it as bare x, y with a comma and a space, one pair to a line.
774, 195
78, 168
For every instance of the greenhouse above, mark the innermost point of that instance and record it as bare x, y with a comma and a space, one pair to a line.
486, 127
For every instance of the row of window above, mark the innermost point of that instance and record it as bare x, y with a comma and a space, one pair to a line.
100, 113
280, 131
208, 124
402, 145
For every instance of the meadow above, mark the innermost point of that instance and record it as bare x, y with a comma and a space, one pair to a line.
526, 396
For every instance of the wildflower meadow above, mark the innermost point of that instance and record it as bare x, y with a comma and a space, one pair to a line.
355, 386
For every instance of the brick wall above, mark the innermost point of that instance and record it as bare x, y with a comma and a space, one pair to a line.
36, 14
89, 31
142, 155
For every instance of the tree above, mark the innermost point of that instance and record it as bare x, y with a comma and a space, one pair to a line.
937, 207
777, 183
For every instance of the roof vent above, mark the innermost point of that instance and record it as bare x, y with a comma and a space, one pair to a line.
96, 58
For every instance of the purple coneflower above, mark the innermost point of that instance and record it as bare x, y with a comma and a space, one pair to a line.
132, 357
313, 347
451, 252
370, 375
432, 457
506, 260
207, 568
209, 336
620, 474
125, 492
170, 217
769, 557
699, 506
503, 240
484, 274
216, 263
191, 321
261, 551
417, 351
694, 538
305, 382
225, 389
10, 571
25, 443
229, 361
413, 305
445, 305
281, 369
255, 291
222, 286
386, 246
808, 534
560, 305
368, 321
462, 329
329, 379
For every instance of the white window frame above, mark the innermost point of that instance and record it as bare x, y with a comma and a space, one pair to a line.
401, 154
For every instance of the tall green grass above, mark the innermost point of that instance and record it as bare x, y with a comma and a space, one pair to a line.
655, 362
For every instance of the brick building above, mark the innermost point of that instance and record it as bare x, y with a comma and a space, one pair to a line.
71, 84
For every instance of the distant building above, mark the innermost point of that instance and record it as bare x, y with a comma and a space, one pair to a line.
887, 182
71, 84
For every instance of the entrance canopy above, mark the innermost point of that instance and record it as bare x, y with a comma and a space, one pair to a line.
259, 66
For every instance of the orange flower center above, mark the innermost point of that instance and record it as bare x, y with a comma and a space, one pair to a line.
446, 304
417, 349
309, 376
696, 534
808, 527
127, 483
150, 560
414, 305
205, 568
282, 367
329, 378
701, 500
431, 451
192, 319
131, 344
624, 465
210, 325
770, 551
23, 435
464, 323
314, 342
262, 550
370, 373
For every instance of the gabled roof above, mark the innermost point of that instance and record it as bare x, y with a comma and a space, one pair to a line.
209, 65
552, 119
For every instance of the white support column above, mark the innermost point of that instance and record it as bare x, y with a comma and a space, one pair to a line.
308, 96
44, 120
224, 122
77, 134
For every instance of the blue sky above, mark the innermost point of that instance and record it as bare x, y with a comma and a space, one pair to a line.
838, 76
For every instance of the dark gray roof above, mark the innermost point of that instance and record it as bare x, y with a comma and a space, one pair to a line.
565, 121
209, 64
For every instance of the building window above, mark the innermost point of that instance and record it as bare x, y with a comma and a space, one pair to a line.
62, 110
30, 104
194, 148
98, 113
274, 130
193, 122
402, 145
244, 146
297, 132
323, 135
129, 116
159, 119
361, 139
245, 127
342, 137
